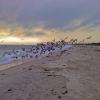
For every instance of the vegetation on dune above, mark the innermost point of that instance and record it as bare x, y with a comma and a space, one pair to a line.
75, 41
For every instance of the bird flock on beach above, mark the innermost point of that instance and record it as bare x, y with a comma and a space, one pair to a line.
38, 50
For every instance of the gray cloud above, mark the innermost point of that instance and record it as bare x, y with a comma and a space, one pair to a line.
50, 13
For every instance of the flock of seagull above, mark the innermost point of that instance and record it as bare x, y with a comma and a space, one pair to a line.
38, 50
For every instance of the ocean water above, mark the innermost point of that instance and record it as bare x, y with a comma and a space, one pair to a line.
9, 48
5, 58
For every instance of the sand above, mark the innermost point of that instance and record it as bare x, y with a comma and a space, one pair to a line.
72, 75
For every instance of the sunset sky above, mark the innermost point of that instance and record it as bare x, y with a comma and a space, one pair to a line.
33, 21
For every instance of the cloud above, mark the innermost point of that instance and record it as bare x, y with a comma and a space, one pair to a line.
52, 13
39, 18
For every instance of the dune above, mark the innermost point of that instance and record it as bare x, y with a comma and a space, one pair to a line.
70, 75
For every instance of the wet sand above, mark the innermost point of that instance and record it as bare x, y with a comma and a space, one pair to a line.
71, 75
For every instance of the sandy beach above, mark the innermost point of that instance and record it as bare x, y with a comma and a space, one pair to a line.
71, 75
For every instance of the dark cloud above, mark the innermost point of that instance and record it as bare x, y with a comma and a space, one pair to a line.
39, 33
50, 13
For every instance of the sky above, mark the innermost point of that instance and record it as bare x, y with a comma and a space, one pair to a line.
33, 21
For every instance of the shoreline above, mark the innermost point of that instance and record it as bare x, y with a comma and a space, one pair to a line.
73, 75
13, 63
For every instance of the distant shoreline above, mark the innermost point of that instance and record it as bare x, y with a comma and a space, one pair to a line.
37, 43
94, 44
